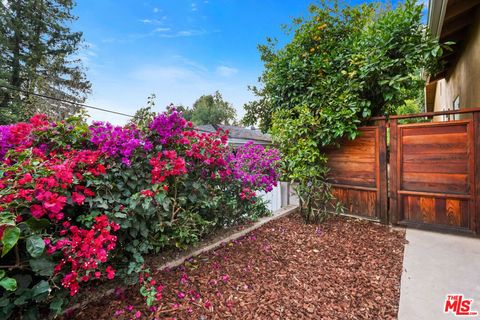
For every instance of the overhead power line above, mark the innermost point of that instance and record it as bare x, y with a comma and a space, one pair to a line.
66, 101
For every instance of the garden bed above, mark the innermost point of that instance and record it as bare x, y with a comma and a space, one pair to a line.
343, 269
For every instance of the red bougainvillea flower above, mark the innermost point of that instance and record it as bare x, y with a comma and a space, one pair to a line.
110, 272
83, 251
37, 211
147, 193
78, 198
27, 178
52, 202
166, 164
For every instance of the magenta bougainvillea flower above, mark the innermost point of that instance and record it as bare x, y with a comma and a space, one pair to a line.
256, 167
117, 141
169, 126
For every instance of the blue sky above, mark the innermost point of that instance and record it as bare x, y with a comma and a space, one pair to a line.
177, 49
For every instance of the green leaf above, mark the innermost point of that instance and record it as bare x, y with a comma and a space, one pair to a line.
8, 284
10, 239
7, 218
120, 215
150, 301
56, 305
37, 224
159, 197
23, 282
4, 301
196, 185
42, 266
2, 274
40, 290
31, 313
23, 298
35, 246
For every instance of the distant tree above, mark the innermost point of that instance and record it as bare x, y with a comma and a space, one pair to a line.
212, 109
413, 106
38, 53
186, 112
144, 116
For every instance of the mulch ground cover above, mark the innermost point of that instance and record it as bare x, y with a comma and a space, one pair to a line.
341, 269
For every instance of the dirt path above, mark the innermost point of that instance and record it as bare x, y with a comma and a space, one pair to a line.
342, 269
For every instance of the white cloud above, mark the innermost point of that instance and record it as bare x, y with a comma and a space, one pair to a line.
161, 30
155, 10
179, 80
183, 33
181, 60
225, 71
194, 7
153, 21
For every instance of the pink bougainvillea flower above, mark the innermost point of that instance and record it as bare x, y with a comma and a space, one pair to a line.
119, 312
37, 211
78, 198
181, 295
225, 278
138, 314
184, 278
110, 272
53, 202
207, 304
27, 178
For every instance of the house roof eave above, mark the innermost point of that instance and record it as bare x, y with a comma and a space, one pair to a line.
436, 16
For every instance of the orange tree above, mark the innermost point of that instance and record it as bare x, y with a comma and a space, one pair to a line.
343, 65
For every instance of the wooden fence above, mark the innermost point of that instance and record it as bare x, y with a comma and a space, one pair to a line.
358, 173
429, 176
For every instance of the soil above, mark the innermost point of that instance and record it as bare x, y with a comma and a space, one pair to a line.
342, 269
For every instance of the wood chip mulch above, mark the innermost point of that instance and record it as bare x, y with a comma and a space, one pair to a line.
341, 269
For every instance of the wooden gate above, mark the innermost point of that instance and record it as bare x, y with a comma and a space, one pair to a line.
432, 175
432, 178
358, 173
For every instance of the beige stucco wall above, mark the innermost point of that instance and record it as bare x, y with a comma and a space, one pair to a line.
464, 79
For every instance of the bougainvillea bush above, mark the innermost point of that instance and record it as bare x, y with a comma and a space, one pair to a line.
86, 203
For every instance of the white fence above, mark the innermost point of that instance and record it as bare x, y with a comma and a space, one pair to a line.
278, 198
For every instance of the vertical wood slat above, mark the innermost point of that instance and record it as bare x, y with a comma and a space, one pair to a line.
476, 177
471, 169
382, 174
393, 171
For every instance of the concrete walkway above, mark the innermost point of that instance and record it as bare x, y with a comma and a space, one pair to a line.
435, 265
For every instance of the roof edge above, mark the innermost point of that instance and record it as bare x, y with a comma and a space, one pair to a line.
436, 16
